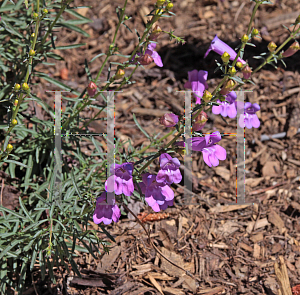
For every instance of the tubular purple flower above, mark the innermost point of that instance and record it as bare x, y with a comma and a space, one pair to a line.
158, 195
150, 56
105, 213
121, 181
251, 119
226, 108
169, 120
169, 170
220, 47
197, 82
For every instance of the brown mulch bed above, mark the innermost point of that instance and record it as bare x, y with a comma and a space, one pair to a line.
226, 250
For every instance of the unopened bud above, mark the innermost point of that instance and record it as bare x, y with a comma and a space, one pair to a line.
16, 102
297, 21
272, 46
92, 89
228, 87
225, 57
31, 52
232, 71
160, 2
25, 87
9, 148
126, 17
255, 32
200, 122
32, 35
14, 122
17, 87
239, 65
207, 96
246, 72
35, 15
145, 59
155, 33
291, 50
169, 6
169, 120
244, 38
45, 11
120, 74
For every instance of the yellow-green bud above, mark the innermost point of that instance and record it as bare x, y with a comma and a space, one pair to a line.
16, 102
239, 64
225, 57
297, 20
255, 32
32, 35
17, 87
9, 148
35, 15
120, 74
272, 46
14, 122
31, 52
160, 2
207, 96
45, 11
244, 38
25, 87
126, 17
228, 87
158, 11
232, 71
169, 6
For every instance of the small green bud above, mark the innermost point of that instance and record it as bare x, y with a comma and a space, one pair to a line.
232, 71
17, 87
120, 74
239, 64
255, 32
31, 52
126, 17
16, 102
111, 46
32, 35
244, 38
169, 6
25, 87
272, 46
225, 57
160, 2
14, 122
297, 21
9, 148
45, 11
35, 15
207, 96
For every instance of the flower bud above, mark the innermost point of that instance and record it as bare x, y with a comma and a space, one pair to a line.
160, 2
244, 38
158, 11
14, 122
272, 46
9, 148
232, 71
120, 73
16, 102
228, 87
200, 122
255, 32
246, 72
35, 15
145, 59
207, 96
45, 11
92, 89
169, 120
225, 57
32, 35
155, 33
239, 65
31, 52
169, 6
17, 87
291, 50
126, 17
297, 21
25, 87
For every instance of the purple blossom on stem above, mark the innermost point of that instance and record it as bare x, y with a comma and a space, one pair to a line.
158, 195
169, 170
121, 181
150, 56
226, 108
251, 119
197, 82
220, 47
169, 120
106, 213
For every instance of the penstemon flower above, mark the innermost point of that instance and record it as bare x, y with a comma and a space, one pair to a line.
149, 56
169, 120
106, 213
251, 119
226, 108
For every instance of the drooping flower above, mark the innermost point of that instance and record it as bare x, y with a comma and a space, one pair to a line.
200, 121
169, 170
291, 50
169, 120
121, 180
158, 195
92, 89
106, 213
150, 56
251, 119
220, 47
226, 108
228, 87
246, 72
197, 82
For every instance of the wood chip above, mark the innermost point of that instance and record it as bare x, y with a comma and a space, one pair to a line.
282, 277
245, 247
256, 251
155, 283
257, 238
276, 220
228, 208
260, 223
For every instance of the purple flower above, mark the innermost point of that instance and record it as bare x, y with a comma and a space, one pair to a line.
106, 213
197, 82
158, 195
121, 180
150, 56
251, 119
169, 170
220, 47
226, 108
169, 120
